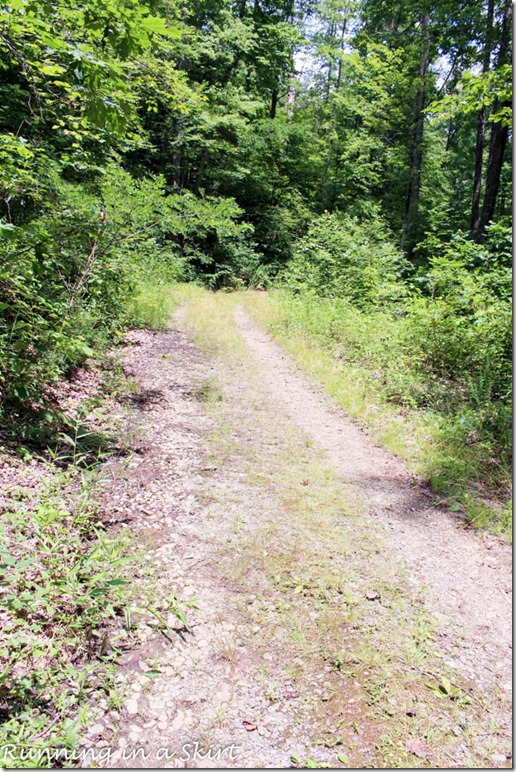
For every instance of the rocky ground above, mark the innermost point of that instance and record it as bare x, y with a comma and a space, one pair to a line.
333, 616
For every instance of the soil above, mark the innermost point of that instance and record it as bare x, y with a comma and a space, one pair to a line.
216, 493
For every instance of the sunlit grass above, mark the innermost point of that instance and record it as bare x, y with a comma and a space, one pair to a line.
152, 306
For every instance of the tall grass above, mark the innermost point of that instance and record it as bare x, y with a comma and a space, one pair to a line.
152, 305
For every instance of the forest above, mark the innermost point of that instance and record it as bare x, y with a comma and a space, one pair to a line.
353, 155
341, 169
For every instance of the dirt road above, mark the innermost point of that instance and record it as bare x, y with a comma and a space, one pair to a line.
341, 620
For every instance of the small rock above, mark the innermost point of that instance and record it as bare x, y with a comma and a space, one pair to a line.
418, 748
132, 707
96, 729
372, 595
179, 720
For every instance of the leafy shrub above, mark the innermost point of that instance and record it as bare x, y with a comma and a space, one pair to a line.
444, 348
211, 239
65, 277
342, 257
458, 333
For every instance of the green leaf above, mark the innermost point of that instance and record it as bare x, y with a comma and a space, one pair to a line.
51, 69
153, 673
159, 25
7, 231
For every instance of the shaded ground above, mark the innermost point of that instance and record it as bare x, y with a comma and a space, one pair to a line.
340, 621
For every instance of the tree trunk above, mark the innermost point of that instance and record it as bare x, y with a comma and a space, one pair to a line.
498, 138
200, 172
177, 154
479, 163
481, 124
497, 144
274, 103
416, 152
291, 98
329, 158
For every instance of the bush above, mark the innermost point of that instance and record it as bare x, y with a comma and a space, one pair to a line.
444, 347
65, 277
342, 257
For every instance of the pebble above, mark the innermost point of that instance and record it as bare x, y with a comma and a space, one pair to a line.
223, 695
179, 720
96, 729
132, 707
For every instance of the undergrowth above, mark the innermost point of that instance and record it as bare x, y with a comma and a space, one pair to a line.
67, 585
64, 587
152, 306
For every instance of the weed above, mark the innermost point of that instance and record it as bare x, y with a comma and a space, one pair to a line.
63, 588
208, 392
152, 306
